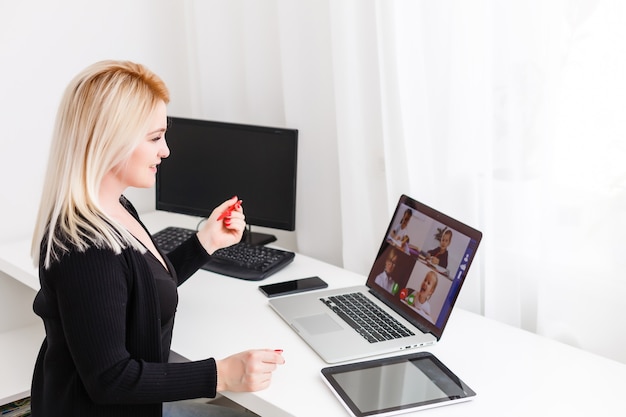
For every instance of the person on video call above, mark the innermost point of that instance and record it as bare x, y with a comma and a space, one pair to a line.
439, 255
421, 298
108, 296
384, 279
399, 233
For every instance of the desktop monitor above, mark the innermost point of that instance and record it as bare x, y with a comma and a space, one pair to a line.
212, 161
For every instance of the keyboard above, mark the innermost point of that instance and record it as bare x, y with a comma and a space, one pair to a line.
368, 319
242, 260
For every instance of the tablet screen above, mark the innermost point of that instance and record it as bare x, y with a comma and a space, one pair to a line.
395, 385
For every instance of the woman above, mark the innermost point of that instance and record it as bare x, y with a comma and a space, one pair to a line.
108, 296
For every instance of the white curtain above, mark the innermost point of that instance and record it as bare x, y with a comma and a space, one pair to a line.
510, 116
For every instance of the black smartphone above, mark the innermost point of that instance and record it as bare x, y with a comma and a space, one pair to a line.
292, 287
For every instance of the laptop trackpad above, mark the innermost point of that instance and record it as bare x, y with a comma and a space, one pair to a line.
318, 324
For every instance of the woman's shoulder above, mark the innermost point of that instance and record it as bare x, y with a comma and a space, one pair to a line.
91, 268
95, 259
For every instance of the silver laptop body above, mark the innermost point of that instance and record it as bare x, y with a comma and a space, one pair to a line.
416, 278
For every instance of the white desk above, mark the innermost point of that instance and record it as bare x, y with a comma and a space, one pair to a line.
515, 373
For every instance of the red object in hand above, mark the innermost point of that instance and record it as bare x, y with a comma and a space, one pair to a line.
229, 210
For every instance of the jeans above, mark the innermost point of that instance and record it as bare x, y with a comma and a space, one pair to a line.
199, 409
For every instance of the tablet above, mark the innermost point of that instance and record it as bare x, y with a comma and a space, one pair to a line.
396, 385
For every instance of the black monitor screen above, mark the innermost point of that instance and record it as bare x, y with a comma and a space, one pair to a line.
211, 162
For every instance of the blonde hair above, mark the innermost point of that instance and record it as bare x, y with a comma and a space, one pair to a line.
102, 116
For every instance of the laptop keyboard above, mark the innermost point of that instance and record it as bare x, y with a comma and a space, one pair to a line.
368, 319
242, 260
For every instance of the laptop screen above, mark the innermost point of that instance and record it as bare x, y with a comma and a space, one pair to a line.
422, 263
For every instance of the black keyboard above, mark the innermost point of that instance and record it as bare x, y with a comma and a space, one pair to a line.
242, 260
368, 319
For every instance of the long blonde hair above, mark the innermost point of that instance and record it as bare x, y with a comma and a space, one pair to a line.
103, 115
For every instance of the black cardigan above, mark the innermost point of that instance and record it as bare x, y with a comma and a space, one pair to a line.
102, 351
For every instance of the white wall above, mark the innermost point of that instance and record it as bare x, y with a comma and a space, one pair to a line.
46, 43
43, 44
16, 304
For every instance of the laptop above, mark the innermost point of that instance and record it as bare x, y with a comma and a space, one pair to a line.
414, 281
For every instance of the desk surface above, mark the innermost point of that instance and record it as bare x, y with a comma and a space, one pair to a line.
514, 372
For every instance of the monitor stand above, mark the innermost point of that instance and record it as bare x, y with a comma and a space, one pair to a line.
257, 238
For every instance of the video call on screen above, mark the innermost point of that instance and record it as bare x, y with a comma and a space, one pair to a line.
422, 263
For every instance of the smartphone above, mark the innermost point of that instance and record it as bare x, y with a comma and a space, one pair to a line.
292, 287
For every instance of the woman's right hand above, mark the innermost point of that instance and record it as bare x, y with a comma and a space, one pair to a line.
248, 371
216, 234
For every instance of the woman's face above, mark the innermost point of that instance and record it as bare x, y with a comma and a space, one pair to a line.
140, 169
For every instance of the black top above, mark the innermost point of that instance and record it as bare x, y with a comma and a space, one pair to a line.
168, 299
104, 353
